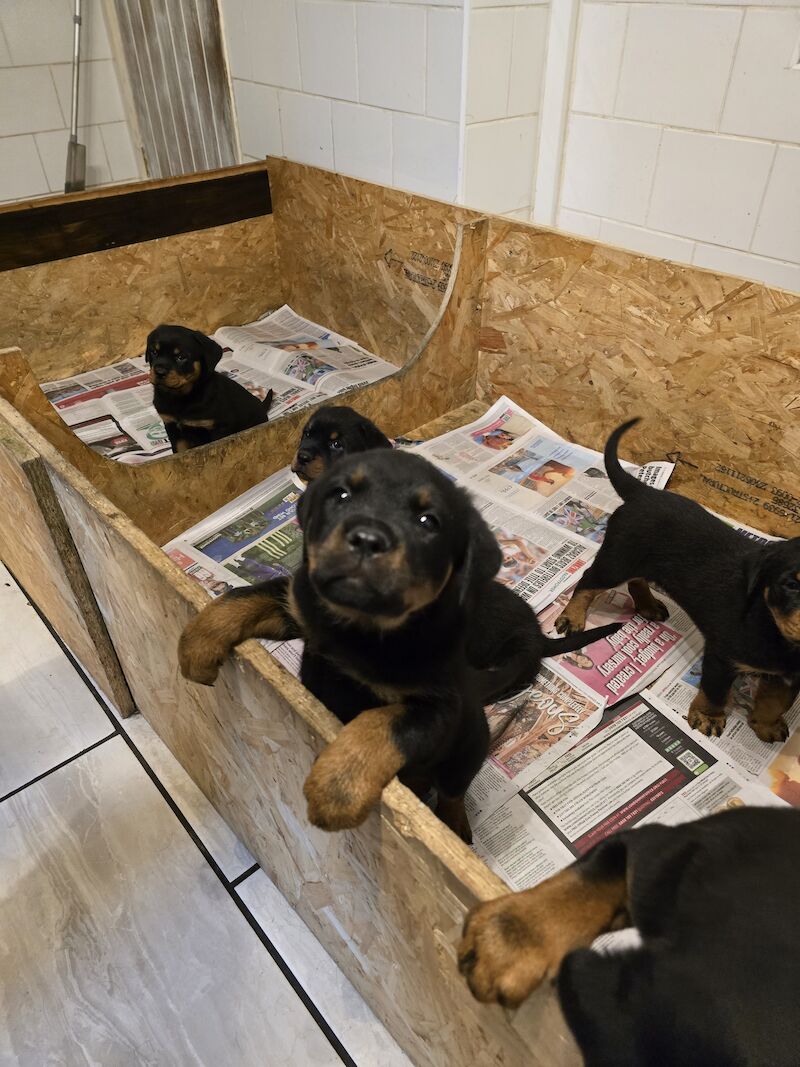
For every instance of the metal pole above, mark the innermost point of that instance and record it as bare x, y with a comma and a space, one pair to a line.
76, 153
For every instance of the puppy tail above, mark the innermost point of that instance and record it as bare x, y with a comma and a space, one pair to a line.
623, 482
557, 646
266, 403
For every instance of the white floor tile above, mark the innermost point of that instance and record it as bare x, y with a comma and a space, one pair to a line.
353, 1022
222, 843
47, 714
121, 946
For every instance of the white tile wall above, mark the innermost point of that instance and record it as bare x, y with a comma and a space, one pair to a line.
425, 156
327, 37
489, 65
306, 128
259, 119
778, 229
5, 55
443, 73
676, 64
528, 49
744, 265
28, 101
119, 149
271, 27
598, 57
237, 38
52, 148
609, 167
650, 243
764, 95
21, 174
709, 187
498, 164
392, 56
362, 142
98, 97
578, 223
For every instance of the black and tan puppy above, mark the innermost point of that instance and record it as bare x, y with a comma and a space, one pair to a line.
743, 597
331, 433
715, 981
197, 404
407, 634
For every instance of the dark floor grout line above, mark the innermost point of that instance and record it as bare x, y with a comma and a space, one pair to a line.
245, 874
252, 922
58, 766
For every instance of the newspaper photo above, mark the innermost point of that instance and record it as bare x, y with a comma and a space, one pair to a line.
111, 409
638, 766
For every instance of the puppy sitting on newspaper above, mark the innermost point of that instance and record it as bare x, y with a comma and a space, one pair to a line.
407, 633
743, 597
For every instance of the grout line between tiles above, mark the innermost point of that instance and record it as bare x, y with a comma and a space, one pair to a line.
278, 960
58, 766
244, 875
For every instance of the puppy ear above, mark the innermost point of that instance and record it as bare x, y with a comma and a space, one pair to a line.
212, 352
152, 337
304, 505
483, 556
372, 437
756, 571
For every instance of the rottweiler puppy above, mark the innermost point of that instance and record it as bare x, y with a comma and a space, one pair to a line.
715, 979
196, 403
743, 597
333, 432
407, 634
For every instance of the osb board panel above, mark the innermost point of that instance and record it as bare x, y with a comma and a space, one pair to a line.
167, 496
92, 310
369, 261
36, 546
586, 336
388, 900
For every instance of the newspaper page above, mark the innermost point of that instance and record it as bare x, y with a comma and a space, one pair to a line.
618, 666
251, 540
529, 731
638, 766
111, 408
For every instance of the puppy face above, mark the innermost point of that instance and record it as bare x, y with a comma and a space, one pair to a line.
180, 358
780, 580
330, 434
385, 533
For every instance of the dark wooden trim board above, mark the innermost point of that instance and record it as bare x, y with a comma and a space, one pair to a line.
66, 226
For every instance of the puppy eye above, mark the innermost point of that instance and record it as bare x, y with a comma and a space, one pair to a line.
791, 581
340, 494
335, 445
428, 521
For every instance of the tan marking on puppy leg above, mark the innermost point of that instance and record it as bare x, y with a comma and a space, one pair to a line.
773, 699
513, 944
199, 424
573, 618
210, 636
706, 717
167, 419
348, 778
644, 603
453, 814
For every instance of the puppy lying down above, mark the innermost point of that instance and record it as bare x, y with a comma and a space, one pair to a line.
407, 634
196, 403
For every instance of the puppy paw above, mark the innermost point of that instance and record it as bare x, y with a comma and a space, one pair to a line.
336, 800
565, 625
199, 658
771, 732
655, 612
505, 953
710, 725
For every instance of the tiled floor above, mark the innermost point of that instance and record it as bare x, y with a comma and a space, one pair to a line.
134, 928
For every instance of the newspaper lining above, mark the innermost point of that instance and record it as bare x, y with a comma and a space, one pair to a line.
599, 741
111, 408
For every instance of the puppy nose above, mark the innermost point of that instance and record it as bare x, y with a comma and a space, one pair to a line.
161, 372
368, 540
303, 457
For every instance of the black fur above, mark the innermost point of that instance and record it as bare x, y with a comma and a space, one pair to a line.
331, 433
716, 979
178, 355
728, 584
